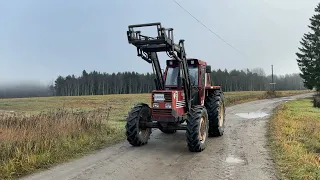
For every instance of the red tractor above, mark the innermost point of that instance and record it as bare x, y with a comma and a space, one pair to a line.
183, 93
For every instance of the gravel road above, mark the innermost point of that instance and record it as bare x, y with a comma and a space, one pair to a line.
241, 153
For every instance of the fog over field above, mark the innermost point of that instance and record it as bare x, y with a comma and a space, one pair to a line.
24, 89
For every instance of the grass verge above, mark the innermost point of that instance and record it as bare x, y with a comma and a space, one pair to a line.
33, 136
29, 143
294, 136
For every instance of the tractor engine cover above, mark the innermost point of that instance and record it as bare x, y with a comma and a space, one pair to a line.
167, 105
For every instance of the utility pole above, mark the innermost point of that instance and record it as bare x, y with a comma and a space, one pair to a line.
273, 84
272, 73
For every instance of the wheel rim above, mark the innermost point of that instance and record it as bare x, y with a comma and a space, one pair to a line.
202, 129
221, 115
144, 132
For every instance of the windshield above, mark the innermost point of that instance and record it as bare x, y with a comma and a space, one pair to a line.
172, 74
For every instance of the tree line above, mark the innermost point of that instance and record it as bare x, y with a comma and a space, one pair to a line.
96, 83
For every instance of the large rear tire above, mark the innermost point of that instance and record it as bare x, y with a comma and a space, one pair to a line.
216, 112
197, 129
136, 135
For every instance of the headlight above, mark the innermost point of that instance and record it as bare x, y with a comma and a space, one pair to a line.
155, 105
168, 105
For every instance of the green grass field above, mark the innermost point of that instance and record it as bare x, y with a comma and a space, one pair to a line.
294, 134
37, 133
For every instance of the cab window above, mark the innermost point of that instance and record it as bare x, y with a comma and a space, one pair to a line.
172, 76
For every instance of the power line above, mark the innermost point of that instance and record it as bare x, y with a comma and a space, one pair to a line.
210, 29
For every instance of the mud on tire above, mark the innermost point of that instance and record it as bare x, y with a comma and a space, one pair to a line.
136, 135
214, 104
197, 129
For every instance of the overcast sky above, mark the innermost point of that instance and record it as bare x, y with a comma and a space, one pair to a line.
40, 40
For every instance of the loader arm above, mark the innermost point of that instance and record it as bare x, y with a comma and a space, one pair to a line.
147, 48
159, 81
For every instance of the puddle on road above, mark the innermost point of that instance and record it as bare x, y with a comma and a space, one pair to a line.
287, 99
233, 160
252, 115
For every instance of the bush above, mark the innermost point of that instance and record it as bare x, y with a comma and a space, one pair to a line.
316, 100
271, 94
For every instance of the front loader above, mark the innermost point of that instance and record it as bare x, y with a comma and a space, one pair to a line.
183, 99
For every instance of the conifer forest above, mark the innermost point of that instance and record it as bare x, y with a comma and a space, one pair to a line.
97, 83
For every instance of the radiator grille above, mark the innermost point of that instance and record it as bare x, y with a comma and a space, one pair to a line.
168, 97
161, 111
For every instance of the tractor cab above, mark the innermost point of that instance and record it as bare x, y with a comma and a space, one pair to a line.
172, 72
198, 74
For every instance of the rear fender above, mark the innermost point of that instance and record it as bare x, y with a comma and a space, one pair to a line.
212, 89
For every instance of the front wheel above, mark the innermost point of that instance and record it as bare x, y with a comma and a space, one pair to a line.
197, 129
136, 135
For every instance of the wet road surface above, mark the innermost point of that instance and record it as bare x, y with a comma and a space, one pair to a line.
241, 154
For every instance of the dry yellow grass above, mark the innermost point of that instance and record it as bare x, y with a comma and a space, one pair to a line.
49, 130
32, 142
294, 133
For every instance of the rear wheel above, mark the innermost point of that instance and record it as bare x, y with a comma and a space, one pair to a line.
216, 112
136, 135
197, 129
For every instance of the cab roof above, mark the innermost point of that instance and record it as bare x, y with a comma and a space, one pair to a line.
197, 61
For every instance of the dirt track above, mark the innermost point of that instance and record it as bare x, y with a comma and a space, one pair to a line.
240, 154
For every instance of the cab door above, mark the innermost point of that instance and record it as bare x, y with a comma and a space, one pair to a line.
202, 84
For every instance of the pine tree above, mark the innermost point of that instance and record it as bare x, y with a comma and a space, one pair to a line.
308, 57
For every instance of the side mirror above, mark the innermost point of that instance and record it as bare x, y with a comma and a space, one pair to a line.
208, 69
